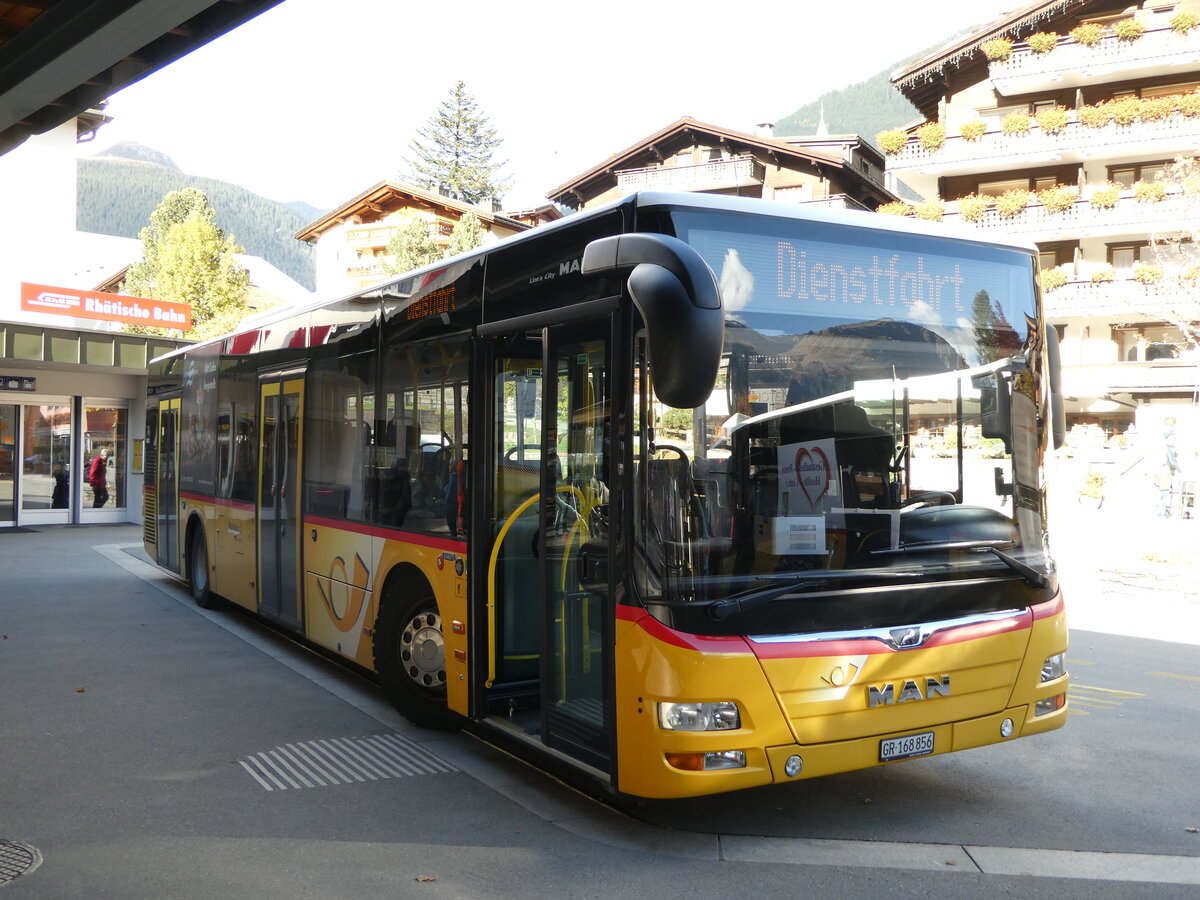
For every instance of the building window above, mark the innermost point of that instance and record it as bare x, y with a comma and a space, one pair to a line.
1052, 254
996, 188
1129, 174
1123, 256
1168, 90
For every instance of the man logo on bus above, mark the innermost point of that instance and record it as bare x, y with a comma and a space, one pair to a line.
885, 694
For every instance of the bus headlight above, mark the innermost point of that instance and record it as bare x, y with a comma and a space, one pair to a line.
1054, 667
721, 715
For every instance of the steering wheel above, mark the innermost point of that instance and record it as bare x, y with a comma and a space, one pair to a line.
670, 448
931, 498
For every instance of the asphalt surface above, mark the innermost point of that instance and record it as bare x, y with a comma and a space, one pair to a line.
152, 749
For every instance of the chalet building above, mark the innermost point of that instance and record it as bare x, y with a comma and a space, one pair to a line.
687, 155
1053, 124
351, 241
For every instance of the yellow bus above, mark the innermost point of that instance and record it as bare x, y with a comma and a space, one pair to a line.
684, 495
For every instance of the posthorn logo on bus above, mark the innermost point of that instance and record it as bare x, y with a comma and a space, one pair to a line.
887, 694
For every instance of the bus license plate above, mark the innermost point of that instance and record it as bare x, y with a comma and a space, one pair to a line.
906, 747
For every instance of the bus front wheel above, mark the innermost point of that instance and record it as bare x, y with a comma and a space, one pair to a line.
198, 573
410, 654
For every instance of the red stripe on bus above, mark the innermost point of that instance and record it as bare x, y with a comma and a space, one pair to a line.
1050, 608
217, 501
699, 642
411, 537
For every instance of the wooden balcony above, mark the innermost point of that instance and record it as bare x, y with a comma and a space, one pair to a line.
736, 172
1092, 380
995, 151
1130, 217
1167, 301
1160, 51
369, 236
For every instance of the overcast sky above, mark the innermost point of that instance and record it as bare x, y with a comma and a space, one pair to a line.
316, 101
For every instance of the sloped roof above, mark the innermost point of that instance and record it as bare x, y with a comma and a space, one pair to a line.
61, 58
1016, 25
386, 197
681, 132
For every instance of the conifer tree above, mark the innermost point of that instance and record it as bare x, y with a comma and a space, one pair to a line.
454, 154
186, 258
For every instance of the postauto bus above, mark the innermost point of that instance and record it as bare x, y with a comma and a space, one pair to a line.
685, 494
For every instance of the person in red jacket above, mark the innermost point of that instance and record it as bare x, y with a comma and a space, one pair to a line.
98, 478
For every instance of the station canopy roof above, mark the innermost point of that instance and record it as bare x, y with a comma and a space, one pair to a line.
60, 59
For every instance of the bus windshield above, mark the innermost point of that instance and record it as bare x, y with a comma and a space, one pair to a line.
876, 421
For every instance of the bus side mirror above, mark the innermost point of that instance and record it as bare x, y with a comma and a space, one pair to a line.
677, 295
995, 408
1058, 409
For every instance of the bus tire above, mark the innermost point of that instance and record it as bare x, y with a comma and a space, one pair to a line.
199, 579
410, 652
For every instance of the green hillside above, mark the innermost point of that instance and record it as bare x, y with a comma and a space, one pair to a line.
865, 109
117, 193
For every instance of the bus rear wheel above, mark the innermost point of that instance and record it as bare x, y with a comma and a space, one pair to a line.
410, 654
198, 573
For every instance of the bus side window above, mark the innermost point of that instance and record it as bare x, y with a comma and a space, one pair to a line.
340, 482
425, 388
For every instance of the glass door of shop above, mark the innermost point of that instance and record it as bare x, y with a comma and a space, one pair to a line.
102, 478
9, 417
45, 480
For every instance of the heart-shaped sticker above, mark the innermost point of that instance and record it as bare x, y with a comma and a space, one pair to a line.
812, 474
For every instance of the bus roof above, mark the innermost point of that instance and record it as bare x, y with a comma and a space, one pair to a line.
641, 200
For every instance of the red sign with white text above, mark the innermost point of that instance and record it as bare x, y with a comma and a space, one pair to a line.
62, 301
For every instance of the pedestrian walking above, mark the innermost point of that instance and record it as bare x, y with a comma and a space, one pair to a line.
98, 478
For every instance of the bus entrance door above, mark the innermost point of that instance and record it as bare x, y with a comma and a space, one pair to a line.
166, 497
281, 396
547, 605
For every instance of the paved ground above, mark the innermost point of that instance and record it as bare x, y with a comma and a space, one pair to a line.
151, 749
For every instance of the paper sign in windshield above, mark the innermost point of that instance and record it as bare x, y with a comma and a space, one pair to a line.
808, 477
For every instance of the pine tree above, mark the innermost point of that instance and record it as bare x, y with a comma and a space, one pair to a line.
411, 246
454, 154
467, 235
186, 258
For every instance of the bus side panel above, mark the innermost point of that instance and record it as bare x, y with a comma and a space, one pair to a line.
345, 573
443, 564
200, 512
651, 669
340, 568
236, 575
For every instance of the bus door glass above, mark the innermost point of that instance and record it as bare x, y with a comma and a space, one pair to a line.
168, 485
547, 604
279, 494
574, 549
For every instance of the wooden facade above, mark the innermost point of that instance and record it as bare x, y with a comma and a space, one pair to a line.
694, 156
351, 241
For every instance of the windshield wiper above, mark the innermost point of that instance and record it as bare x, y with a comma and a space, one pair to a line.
1032, 576
739, 603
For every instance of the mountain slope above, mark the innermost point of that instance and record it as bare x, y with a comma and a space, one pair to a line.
865, 109
117, 194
